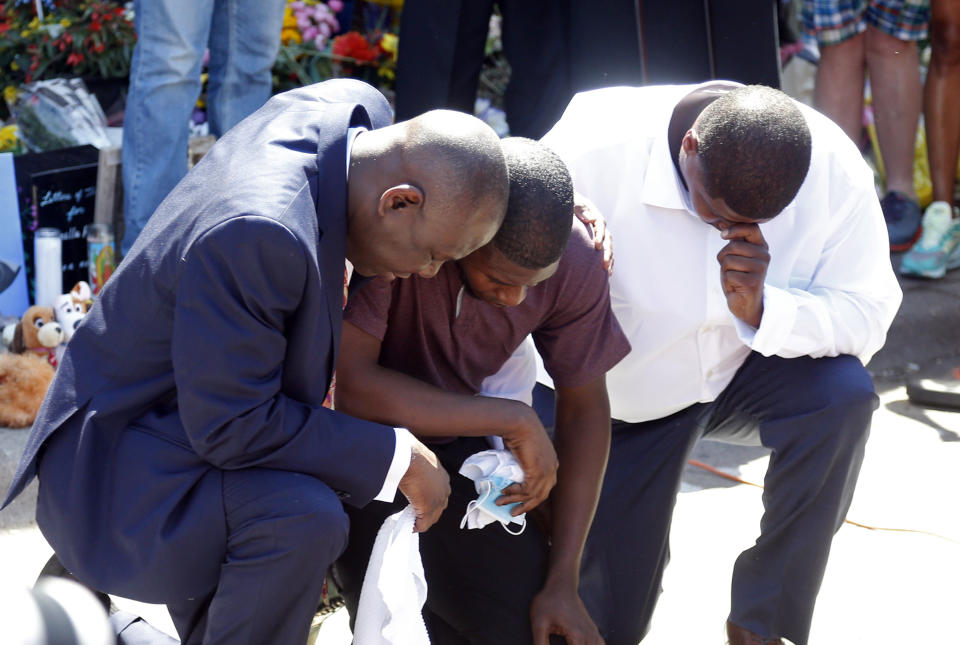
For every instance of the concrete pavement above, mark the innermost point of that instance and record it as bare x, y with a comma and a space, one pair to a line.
881, 587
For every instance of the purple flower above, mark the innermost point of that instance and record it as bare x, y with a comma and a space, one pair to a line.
336, 5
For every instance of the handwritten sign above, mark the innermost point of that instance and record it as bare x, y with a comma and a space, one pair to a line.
57, 189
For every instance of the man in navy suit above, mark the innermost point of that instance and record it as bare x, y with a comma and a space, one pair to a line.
183, 453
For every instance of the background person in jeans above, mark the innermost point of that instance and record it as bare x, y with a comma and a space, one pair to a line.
172, 35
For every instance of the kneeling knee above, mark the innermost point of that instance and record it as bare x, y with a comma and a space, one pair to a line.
852, 400
321, 523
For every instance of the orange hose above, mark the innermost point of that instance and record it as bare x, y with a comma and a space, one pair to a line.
720, 473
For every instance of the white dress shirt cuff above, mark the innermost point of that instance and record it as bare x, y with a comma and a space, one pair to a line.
402, 453
779, 316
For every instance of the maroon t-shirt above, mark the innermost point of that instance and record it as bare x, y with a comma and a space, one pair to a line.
423, 336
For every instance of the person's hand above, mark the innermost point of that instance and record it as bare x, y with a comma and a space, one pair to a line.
557, 609
587, 213
743, 267
426, 486
529, 443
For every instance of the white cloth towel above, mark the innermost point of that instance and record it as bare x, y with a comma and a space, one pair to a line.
394, 587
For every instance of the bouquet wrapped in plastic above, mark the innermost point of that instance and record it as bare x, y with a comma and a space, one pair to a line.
59, 113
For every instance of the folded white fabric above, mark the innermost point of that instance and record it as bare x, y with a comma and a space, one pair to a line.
394, 587
491, 472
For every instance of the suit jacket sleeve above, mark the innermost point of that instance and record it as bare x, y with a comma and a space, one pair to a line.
240, 283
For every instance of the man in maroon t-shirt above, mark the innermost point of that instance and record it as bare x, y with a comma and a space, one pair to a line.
415, 353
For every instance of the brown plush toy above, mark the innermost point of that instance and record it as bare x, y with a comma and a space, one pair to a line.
25, 374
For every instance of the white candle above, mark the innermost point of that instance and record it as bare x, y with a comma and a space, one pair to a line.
47, 267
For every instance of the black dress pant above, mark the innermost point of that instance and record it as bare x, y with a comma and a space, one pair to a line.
814, 414
442, 52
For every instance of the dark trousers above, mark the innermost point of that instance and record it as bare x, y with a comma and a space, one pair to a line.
814, 414
284, 531
442, 52
480, 582
262, 585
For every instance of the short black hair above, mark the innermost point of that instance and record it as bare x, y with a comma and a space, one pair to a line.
754, 146
539, 215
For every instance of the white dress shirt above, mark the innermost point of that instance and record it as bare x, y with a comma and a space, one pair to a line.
829, 289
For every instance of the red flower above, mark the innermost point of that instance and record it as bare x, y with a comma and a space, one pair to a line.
95, 24
118, 11
98, 48
353, 45
74, 59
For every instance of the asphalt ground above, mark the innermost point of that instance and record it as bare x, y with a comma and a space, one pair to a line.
881, 586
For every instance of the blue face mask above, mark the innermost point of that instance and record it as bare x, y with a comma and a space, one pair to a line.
484, 510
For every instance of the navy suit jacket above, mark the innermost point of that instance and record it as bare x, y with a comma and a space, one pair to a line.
212, 347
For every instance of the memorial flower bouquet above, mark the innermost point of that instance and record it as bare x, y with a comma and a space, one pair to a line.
369, 56
61, 38
311, 49
310, 21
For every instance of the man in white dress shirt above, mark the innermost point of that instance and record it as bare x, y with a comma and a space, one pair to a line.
753, 282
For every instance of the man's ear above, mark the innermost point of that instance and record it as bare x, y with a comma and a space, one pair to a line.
400, 200
691, 142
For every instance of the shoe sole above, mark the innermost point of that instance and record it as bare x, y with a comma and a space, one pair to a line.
929, 275
953, 262
905, 246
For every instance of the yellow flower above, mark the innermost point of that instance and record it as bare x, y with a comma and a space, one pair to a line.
10, 94
386, 73
33, 24
389, 44
8, 137
289, 36
25, 33
14, 66
289, 21
64, 23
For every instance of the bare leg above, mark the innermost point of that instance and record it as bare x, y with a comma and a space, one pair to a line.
894, 67
941, 98
838, 92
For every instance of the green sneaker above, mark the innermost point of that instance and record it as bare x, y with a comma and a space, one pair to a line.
939, 246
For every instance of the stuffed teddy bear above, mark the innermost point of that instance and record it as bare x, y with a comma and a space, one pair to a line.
26, 372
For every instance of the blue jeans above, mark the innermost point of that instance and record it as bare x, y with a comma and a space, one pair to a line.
243, 37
